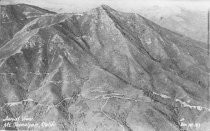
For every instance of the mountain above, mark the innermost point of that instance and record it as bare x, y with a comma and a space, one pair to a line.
99, 70
14, 17
174, 15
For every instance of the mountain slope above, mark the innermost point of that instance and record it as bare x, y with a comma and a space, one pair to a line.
103, 70
14, 17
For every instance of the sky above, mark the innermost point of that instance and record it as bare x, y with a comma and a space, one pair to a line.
125, 5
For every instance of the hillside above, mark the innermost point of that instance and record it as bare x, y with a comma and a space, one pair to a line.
99, 70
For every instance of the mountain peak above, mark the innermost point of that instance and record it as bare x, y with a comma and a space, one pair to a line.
106, 6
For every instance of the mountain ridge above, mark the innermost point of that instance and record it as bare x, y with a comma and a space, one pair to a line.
61, 56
